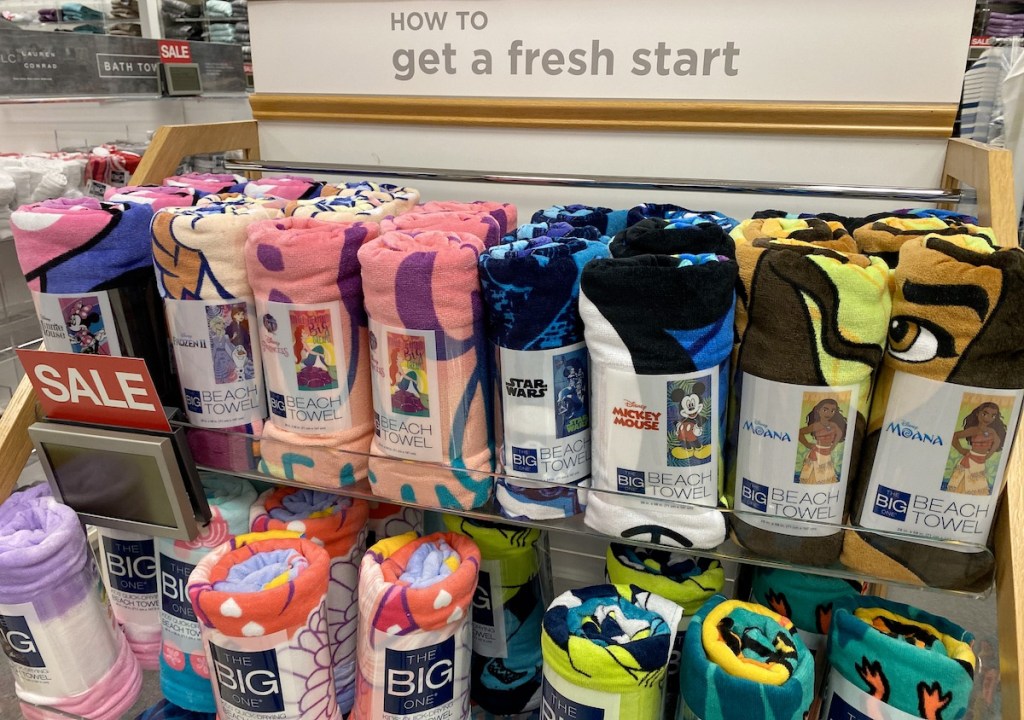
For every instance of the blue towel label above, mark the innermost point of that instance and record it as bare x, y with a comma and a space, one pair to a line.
420, 680
249, 681
178, 620
18, 642
941, 456
77, 323
130, 566
559, 707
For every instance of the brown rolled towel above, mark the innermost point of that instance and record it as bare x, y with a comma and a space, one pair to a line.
882, 235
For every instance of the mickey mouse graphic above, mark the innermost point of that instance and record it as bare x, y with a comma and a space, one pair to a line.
689, 429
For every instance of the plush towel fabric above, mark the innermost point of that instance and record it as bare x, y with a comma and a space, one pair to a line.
882, 236
607, 648
165, 710
414, 604
156, 196
316, 353
658, 437
92, 254
507, 612
685, 580
261, 600
387, 520
286, 187
64, 650
676, 216
129, 570
893, 656
955, 320
744, 662
208, 183
364, 200
814, 318
198, 254
482, 226
427, 325
608, 221
656, 237
338, 524
184, 672
504, 213
828, 234
404, 199
531, 292
530, 231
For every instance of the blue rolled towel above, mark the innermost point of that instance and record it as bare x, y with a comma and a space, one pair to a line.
555, 230
608, 221
166, 710
531, 292
677, 216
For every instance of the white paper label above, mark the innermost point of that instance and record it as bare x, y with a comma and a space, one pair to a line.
564, 701
941, 455
546, 413
489, 612
77, 322
406, 403
423, 682
656, 437
793, 455
305, 354
219, 367
846, 701
129, 566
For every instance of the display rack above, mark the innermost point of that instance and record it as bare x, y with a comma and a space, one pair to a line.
987, 170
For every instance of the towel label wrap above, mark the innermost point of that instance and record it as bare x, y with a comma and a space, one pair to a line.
942, 451
845, 701
561, 700
793, 455
657, 438
489, 612
546, 413
406, 395
219, 365
78, 322
129, 569
305, 354
177, 618
426, 682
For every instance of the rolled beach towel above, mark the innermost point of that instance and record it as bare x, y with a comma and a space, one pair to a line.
660, 377
679, 216
403, 199
483, 226
387, 520
314, 336
198, 254
338, 524
803, 401
414, 622
606, 649
882, 235
208, 183
261, 599
286, 187
166, 710
129, 571
531, 293
368, 202
744, 662
156, 196
63, 648
685, 580
944, 414
506, 214
887, 657
530, 231
609, 222
89, 269
429, 361
507, 612
829, 234
184, 672
656, 237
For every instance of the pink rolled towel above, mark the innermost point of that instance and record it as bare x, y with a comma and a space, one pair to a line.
314, 340
429, 362
208, 183
504, 213
156, 196
482, 226
286, 187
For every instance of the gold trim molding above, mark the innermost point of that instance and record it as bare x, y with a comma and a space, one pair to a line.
792, 118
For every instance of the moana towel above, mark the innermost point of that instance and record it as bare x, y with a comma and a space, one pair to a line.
338, 524
744, 662
305, 276
814, 318
606, 649
507, 612
414, 604
504, 213
430, 364
955, 320
261, 600
888, 656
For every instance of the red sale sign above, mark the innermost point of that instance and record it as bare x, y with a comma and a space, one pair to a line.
97, 389
174, 51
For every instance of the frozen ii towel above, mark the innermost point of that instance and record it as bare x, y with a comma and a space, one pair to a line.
531, 293
208, 183
58, 635
286, 187
129, 570
414, 623
199, 254
338, 524
660, 376
184, 673
679, 216
608, 221
261, 600
429, 362
506, 214
481, 225
305, 276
